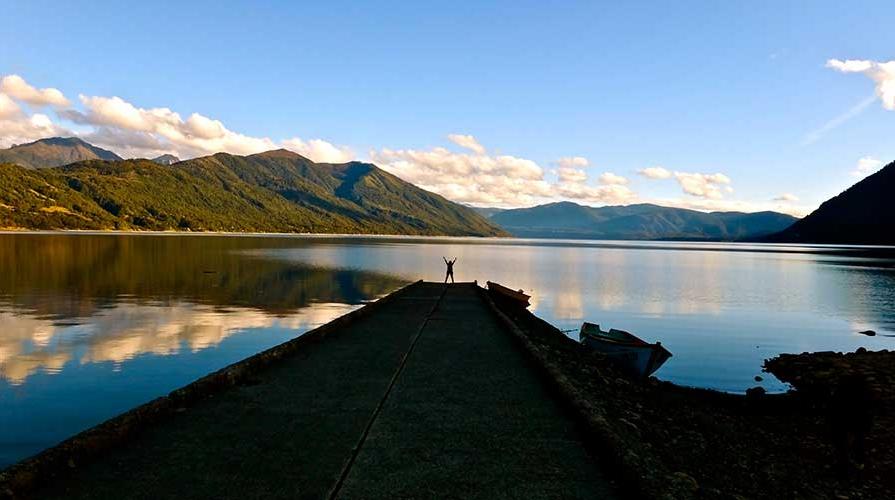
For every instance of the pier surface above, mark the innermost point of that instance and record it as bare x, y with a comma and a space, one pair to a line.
427, 397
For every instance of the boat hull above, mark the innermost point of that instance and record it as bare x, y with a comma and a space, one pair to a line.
503, 293
629, 353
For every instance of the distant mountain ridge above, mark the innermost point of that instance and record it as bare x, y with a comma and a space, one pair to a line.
860, 215
281, 191
637, 222
54, 152
276, 191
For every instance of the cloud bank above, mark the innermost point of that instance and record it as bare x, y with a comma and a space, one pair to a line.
16, 87
130, 130
478, 178
468, 172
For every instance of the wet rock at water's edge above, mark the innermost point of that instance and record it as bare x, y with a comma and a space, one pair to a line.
755, 392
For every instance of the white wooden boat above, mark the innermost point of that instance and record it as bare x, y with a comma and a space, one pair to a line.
624, 349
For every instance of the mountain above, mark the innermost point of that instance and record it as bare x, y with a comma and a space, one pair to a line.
276, 191
166, 159
54, 152
861, 215
637, 222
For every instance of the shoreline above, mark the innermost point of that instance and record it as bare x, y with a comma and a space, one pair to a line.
683, 442
670, 244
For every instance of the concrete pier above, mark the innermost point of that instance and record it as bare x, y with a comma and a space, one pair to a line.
427, 396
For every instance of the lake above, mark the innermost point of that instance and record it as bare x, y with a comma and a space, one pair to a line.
94, 324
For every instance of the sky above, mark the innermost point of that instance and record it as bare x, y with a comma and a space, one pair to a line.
706, 105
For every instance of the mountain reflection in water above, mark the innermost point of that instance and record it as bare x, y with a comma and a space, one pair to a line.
94, 324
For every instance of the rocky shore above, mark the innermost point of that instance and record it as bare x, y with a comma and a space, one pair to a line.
669, 441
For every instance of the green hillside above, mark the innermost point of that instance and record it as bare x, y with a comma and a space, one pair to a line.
270, 192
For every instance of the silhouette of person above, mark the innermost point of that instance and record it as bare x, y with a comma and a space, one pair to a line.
450, 269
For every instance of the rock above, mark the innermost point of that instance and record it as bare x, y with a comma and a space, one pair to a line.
860, 350
755, 392
869, 333
758, 378
630, 425
684, 482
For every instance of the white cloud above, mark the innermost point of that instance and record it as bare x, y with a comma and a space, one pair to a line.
467, 178
8, 108
866, 166
16, 87
569, 174
467, 141
702, 185
197, 135
612, 194
320, 150
786, 197
573, 162
571, 169
133, 131
655, 173
609, 178
17, 127
500, 180
882, 74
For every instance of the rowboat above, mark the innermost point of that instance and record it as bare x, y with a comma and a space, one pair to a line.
629, 352
517, 297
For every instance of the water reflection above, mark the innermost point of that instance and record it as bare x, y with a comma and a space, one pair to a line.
91, 325
117, 334
721, 308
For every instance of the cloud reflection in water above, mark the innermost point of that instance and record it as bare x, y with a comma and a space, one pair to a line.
31, 344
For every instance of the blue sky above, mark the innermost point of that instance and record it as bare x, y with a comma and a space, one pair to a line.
731, 88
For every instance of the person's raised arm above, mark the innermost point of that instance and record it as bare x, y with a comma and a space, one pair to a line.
444, 259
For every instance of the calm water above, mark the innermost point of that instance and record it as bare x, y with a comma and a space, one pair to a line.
91, 325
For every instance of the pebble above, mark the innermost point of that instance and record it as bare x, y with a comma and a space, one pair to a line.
758, 378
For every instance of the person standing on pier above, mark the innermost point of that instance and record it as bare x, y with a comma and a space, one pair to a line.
450, 269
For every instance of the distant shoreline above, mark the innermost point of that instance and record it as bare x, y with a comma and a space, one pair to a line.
101, 232
683, 244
